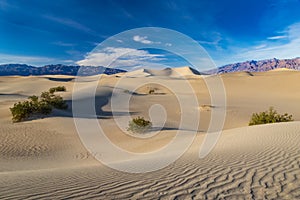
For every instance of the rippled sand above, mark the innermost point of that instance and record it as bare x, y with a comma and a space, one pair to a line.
45, 159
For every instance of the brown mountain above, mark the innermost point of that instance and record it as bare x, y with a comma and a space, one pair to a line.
259, 66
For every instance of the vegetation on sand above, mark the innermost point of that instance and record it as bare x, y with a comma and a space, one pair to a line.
57, 89
270, 116
139, 125
151, 91
35, 105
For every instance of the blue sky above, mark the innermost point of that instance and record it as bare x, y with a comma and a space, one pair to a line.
51, 32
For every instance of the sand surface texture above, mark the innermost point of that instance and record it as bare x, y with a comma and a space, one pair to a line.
45, 158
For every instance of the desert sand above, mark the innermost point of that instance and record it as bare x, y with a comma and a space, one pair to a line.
45, 158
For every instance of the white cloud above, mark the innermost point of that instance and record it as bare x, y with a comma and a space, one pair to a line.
120, 57
31, 60
69, 61
277, 37
142, 39
260, 46
268, 49
63, 44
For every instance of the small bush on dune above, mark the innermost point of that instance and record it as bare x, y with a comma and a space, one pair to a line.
139, 125
46, 96
151, 91
34, 98
53, 100
58, 102
57, 89
37, 105
270, 116
21, 111
44, 108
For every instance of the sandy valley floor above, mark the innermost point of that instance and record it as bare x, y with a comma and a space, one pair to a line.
44, 158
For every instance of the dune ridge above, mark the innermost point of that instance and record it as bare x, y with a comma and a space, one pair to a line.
167, 72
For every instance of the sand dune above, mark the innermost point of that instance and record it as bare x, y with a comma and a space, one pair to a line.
242, 74
266, 166
185, 71
167, 72
44, 158
174, 72
137, 73
282, 69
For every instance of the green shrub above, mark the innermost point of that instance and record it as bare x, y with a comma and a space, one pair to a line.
44, 108
57, 89
151, 91
53, 100
21, 111
38, 105
46, 96
34, 98
139, 125
270, 116
127, 91
58, 102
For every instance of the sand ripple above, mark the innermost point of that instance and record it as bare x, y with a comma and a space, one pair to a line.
260, 162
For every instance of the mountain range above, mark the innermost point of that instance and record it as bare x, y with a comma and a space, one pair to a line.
27, 70
259, 66
59, 69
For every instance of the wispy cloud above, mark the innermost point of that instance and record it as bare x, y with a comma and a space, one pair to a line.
120, 57
260, 46
278, 37
71, 23
8, 5
269, 49
32, 60
63, 44
214, 41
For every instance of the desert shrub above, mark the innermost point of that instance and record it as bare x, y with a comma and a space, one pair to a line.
139, 125
53, 100
151, 91
58, 102
37, 105
44, 108
21, 111
34, 98
270, 116
57, 89
127, 91
46, 96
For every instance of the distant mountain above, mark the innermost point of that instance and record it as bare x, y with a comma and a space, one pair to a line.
249, 66
259, 66
26, 70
